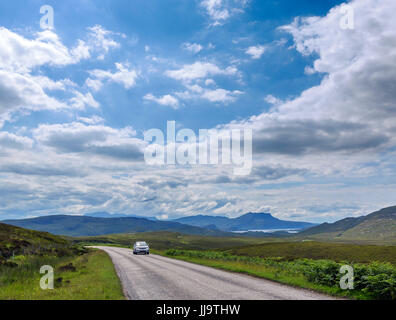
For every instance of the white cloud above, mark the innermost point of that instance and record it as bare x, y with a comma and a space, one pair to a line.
94, 84
80, 100
212, 95
47, 83
91, 120
22, 91
166, 100
216, 10
81, 51
272, 100
199, 70
20, 57
221, 10
12, 141
353, 109
124, 76
19, 54
221, 95
101, 41
192, 47
97, 140
256, 51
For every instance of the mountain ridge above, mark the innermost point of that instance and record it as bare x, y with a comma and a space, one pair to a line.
248, 221
68, 225
378, 225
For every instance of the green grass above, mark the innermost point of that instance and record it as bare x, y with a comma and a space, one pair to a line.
320, 250
167, 240
372, 281
15, 241
94, 278
266, 272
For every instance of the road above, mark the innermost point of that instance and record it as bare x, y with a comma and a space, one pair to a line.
154, 277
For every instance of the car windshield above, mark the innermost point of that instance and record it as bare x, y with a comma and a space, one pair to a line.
141, 243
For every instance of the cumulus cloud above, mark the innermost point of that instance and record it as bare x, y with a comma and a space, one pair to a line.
124, 76
20, 54
256, 51
221, 95
199, 70
20, 57
221, 10
166, 100
12, 141
192, 47
353, 108
101, 40
191, 74
213, 95
34, 169
99, 140
272, 100
24, 91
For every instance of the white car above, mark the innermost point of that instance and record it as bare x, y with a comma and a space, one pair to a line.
141, 247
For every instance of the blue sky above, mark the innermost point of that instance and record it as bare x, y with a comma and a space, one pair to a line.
76, 100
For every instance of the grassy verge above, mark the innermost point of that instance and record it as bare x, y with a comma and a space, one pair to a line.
374, 281
90, 276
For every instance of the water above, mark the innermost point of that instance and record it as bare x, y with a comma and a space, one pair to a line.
270, 230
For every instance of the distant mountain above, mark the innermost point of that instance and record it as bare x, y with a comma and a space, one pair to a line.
249, 221
379, 226
116, 215
90, 226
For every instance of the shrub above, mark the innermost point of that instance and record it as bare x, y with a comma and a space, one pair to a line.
376, 280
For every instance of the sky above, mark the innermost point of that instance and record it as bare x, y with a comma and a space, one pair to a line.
77, 99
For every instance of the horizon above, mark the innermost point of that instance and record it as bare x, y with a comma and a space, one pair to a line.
132, 215
293, 95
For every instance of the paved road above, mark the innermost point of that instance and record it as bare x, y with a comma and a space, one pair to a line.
155, 277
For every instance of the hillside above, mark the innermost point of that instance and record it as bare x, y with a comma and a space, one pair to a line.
90, 226
377, 226
116, 215
164, 240
288, 251
17, 240
249, 221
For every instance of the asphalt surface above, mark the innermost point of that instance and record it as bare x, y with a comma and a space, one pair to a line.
155, 277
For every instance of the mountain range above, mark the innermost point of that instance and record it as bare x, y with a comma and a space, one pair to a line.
116, 215
377, 226
90, 226
249, 221
101, 223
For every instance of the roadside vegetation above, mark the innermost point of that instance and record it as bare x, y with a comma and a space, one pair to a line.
23, 252
320, 250
373, 279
